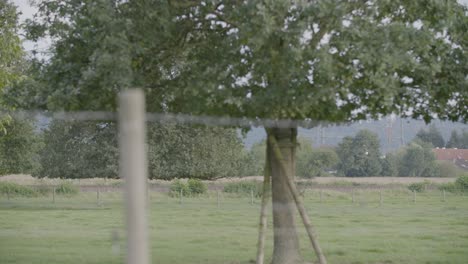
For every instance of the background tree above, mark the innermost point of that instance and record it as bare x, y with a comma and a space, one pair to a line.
19, 147
312, 162
432, 136
360, 155
325, 61
11, 52
181, 151
458, 140
390, 165
257, 152
418, 160
77, 149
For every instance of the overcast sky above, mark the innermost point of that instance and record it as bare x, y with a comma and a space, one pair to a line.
28, 11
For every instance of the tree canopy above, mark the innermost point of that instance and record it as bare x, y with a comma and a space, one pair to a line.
325, 60
11, 52
458, 140
360, 155
432, 136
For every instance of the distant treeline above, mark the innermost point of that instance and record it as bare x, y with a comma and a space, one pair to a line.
87, 149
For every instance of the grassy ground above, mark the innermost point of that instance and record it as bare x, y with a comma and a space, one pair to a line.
77, 230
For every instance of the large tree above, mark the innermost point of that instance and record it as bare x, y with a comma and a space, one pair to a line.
418, 160
360, 155
10, 45
11, 53
322, 60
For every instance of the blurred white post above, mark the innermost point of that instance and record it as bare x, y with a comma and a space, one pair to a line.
133, 169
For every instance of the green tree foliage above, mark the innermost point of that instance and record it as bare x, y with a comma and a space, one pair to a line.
196, 186
192, 187
390, 165
322, 60
258, 155
195, 152
19, 146
10, 45
418, 160
462, 183
360, 155
432, 135
76, 149
191, 55
311, 162
458, 140
418, 186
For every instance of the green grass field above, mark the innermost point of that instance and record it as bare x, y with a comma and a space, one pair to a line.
77, 230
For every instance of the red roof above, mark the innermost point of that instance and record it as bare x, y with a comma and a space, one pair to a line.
450, 154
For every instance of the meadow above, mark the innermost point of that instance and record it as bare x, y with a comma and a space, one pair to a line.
223, 229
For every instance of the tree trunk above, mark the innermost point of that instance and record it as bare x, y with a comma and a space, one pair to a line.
286, 241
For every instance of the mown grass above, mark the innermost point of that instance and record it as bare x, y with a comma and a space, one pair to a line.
80, 230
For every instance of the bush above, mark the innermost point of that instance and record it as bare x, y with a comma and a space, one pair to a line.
449, 187
418, 186
244, 187
196, 186
43, 189
462, 183
177, 186
14, 189
66, 188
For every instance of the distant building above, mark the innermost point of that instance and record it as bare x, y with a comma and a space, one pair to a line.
458, 156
